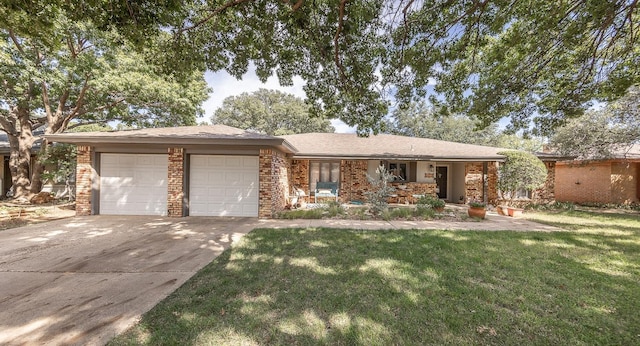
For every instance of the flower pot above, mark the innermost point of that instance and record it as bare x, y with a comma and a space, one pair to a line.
515, 212
439, 209
502, 210
478, 212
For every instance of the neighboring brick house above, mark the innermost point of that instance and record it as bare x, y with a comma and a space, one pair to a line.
223, 171
614, 180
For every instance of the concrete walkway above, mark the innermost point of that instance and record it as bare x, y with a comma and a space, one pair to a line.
84, 280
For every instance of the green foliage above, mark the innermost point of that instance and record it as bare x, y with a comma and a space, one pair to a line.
379, 190
83, 73
520, 170
429, 201
60, 162
270, 112
333, 209
567, 206
536, 59
420, 120
605, 133
474, 204
301, 214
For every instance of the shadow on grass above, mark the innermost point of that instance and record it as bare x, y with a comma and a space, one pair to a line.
345, 287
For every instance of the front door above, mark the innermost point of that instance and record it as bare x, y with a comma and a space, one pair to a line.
441, 181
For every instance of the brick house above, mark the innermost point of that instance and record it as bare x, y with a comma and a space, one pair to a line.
223, 171
614, 180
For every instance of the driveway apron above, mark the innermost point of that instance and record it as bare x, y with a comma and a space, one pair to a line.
84, 280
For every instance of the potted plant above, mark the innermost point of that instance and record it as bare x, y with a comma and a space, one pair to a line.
520, 171
477, 209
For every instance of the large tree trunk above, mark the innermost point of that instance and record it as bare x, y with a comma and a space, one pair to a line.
21, 141
38, 169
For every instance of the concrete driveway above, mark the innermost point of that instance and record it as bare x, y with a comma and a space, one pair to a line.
83, 280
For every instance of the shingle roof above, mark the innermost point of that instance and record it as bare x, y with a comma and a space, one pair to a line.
193, 135
208, 131
386, 146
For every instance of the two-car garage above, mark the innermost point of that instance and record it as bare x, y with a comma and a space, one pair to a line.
215, 185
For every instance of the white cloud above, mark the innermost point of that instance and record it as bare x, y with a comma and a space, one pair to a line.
225, 85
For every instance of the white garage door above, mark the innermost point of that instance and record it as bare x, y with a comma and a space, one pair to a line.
133, 184
223, 185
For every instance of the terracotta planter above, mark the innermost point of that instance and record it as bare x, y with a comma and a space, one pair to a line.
478, 212
439, 209
502, 210
515, 212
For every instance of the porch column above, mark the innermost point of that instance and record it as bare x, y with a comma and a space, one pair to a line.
84, 180
274, 183
175, 185
492, 182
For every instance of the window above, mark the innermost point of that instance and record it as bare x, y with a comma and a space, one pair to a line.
401, 170
323, 171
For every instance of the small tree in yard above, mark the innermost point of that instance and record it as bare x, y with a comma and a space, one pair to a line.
520, 170
380, 190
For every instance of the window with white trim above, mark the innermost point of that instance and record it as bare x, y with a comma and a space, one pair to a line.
323, 171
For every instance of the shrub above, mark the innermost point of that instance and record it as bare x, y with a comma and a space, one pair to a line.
477, 204
379, 191
520, 170
430, 202
426, 212
334, 209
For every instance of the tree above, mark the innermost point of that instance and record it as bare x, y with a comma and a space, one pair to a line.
537, 59
83, 75
520, 171
603, 133
420, 120
270, 112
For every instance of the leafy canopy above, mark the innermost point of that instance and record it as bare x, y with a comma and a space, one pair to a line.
534, 60
527, 60
605, 133
271, 112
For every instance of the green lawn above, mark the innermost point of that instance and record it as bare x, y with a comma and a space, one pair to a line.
346, 287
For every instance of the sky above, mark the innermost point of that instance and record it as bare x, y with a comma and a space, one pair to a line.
225, 85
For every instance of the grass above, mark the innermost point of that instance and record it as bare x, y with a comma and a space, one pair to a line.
417, 287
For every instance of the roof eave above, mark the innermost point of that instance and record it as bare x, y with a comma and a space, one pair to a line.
279, 143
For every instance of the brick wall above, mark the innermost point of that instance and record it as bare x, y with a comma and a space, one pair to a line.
274, 183
547, 193
624, 182
300, 175
583, 183
473, 181
84, 180
353, 180
175, 186
492, 182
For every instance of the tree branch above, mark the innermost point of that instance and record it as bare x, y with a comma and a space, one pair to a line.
336, 37
15, 41
213, 13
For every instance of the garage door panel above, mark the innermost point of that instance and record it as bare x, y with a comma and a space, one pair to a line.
133, 184
223, 185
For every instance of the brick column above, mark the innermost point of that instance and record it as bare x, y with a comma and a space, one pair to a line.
175, 186
492, 182
274, 184
84, 180
473, 181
